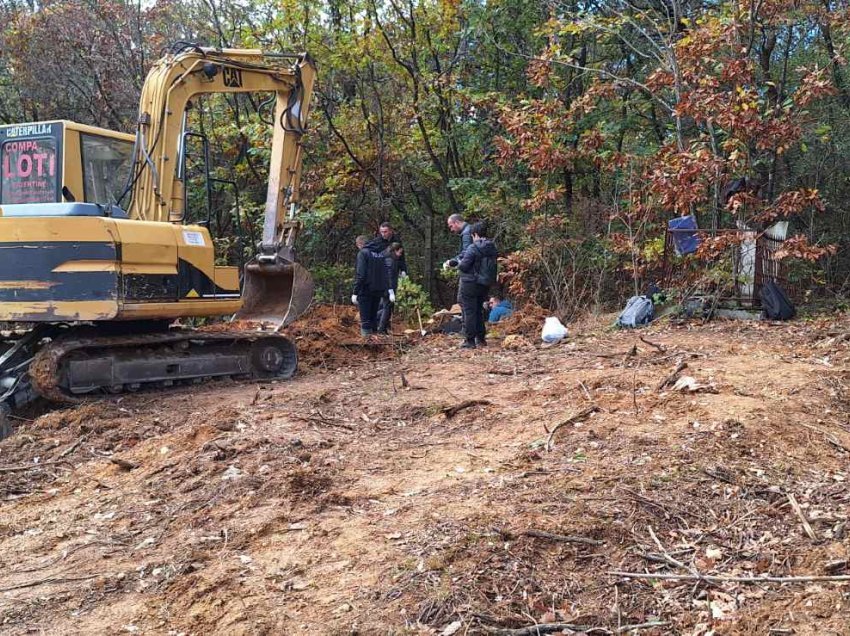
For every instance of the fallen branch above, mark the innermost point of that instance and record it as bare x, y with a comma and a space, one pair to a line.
628, 628
717, 578
35, 583
501, 372
451, 411
324, 421
667, 380
71, 448
534, 630
570, 420
799, 511
540, 534
658, 347
15, 469
550, 628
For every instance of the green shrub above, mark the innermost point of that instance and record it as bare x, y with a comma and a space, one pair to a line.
409, 297
333, 283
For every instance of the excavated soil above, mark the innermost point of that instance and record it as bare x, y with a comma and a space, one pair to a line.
346, 500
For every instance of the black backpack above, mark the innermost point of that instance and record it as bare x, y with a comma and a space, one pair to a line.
488, 268
775, 303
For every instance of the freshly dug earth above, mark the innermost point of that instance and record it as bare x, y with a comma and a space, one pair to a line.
346, 501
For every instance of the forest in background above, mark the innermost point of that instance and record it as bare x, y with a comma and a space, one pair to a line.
578, 129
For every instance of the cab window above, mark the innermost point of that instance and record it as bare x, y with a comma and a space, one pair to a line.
106, 163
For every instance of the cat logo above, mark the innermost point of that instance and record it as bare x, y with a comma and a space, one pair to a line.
232, 77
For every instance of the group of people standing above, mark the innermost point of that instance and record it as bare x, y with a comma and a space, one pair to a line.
380, 265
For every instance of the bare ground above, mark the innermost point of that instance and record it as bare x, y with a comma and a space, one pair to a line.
345, 501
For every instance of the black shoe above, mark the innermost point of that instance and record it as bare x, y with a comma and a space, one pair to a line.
365, 333
468, 344
480, 342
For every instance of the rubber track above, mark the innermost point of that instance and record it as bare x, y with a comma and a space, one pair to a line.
44, 369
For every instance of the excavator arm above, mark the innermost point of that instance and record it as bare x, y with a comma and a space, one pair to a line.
276, 288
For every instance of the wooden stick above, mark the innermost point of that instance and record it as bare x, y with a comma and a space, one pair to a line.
422, 331
628, 628
21, 586
549, 628
451, 411
574, 418
660, 348
540, 534
15, 469
71, 448
535, 630
715, 578
797, 509
679, 367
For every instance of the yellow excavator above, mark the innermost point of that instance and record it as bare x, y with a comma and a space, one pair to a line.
102, 248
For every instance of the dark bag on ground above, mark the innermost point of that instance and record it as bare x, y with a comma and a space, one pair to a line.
639, 311
775, 302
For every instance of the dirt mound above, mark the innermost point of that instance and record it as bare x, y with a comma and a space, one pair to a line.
525, 321
328, 336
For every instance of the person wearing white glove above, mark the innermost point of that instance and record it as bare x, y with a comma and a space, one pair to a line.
394, 260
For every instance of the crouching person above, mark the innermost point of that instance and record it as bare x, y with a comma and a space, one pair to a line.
477, 273
371, 282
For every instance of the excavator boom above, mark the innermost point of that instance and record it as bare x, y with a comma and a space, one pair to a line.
275, 289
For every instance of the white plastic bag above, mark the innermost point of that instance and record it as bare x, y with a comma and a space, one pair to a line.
553, 330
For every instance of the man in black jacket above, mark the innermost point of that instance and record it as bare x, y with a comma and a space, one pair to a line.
477, 272
386, 237
458, 226
371, 282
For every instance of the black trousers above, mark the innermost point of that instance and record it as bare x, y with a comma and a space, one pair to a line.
368, 304
472, 299
385, 314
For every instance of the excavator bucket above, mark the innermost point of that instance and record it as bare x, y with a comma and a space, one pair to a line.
275, 293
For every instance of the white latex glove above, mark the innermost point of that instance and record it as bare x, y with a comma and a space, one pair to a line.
446, 265
392, 295
402, 275
354, 299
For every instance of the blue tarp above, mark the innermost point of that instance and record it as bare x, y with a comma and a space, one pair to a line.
684, 241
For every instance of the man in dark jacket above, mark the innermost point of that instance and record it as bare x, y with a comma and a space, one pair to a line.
386, 237
371, 282
477, 272
458, 226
